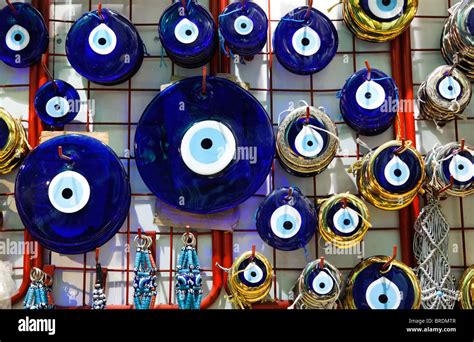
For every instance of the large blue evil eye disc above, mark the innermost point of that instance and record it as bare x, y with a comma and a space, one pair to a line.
105, 51
23, 35
307, 141
253, 273
72, 207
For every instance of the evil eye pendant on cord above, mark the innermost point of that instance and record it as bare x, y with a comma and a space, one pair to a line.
378, 20
307, 141
188, 34
382, 283
318, 287
392, 176
457, 40
24, 35
249, 280
104, 47
305, 41
99, 299
369, 101
444, 95
343, 220
13, 142
57, 103
243, 28
286, 220
188, 275
144, 283
39, 295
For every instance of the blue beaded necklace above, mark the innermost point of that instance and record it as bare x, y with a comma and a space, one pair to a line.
144, 284
188, 275
39, 295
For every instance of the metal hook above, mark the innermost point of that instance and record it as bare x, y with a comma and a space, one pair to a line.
99, 11
308, 114
63, 156
388, 264
12, 8
344, 203
48, 72
321, 263
447, 187
308, 11
204, 77
369, 70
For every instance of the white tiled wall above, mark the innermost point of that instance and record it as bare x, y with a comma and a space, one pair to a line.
276, 94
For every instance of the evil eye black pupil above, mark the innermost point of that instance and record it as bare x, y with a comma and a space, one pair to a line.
57, 107
189, 32
288, 225
17, 37
368, 95
206, 144
383, 299
305, 41
310, 143
253, 274
244, 25
397, 172
386, 2
347, 222
322, 285
461, 167
67, 193
102, 41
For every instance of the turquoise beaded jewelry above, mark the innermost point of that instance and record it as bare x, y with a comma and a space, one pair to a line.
39, 295
144, 284
188, 275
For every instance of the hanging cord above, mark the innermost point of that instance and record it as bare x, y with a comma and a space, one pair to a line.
438, 289
307, 298
39, 295
188, 275
99, 300
145, 274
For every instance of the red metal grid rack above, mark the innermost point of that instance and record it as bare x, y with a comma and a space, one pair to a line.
222, 243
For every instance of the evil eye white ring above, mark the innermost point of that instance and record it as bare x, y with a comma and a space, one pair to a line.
306, 41
186, 31
386, 9
17, 38
285, 222
449, 88
102, 40
69, 192
322, 284
57, 107
309, 143
461, 169
208, 147
346, 220
370, 95
253, 274
243, 25
383, 294
397, 172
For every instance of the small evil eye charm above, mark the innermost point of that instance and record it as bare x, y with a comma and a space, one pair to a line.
378, 20
444, 95
286, 220
204, 153
23, 35
57, 103
307, 142
451, 162
104, 47
244, 28
343, 220
305, 42
188, 34
376, 285
81, 194
369, 104
249, 280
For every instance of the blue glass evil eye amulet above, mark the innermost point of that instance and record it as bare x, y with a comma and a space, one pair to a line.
286, 220
369, 104
104, 47
204, 153
188, 34
244, 28
305, 42
57, 103
72, 194
23, 35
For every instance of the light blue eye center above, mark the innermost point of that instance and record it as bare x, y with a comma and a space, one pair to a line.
18, 37
397, 172
309, 143
208, 145
286, 223
102, 39
383, 294
387, 5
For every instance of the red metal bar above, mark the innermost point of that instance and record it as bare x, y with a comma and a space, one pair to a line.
225, 61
